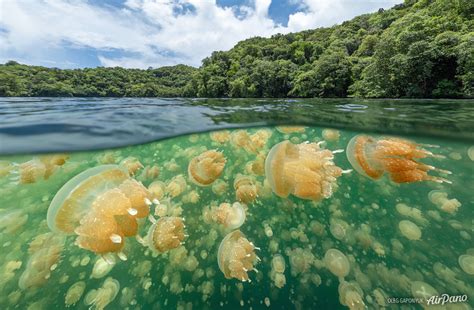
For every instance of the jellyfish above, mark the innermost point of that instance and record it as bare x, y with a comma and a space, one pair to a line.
290, 129
337, 263
303, 170
102, 267
350, 295
40, 168
372, 157
166, 234
5, 168
176, 186
467, 263
132, 165
409, 230
204, 169
12, 220
74, 293
245, 188
236, 256
230, 216
157, 189
150, 173
101, 297
441, 200
241, 139
219, 187
423, 290
220, 137
101, 206
278, 263
331, 135
45, 252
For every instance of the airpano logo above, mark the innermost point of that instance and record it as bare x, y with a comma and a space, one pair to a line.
446, 299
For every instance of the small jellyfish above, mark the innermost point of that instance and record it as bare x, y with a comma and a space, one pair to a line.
304, 170
45, 252
350, 295
467, 263
101, 297
132, 165
409, 230
102, 267
337, 263
5, 168
241, 139
40, 168
331, 135
74, 293
278, 263
420, 289
12, 220
220, 137
230, 216
157, 189
290, 129
219, 187
166, 234
176, 186
372, 157
204, 169
245, 188
236, 256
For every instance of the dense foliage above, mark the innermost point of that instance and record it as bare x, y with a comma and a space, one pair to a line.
22, 80
421, 48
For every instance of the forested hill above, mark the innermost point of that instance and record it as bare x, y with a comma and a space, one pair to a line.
421, 48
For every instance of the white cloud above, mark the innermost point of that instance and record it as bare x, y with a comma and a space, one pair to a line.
153, 32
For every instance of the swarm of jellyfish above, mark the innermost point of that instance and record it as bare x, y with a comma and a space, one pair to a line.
172, 224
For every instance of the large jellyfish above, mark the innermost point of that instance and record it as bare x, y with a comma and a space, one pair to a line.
236, 256
205, 168
100, 205
304, 170
372, 157
166, 234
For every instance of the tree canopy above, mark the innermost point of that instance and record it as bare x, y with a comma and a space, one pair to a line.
418, 49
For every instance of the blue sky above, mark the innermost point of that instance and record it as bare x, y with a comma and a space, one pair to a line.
153, 33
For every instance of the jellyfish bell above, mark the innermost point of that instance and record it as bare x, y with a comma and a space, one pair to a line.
331, 135
166, 234
373, 157
409, 230
466, 262
101, 297
303, 170
290, 129
75, 198
230, 216
132, 165
236, 256
278, 263
246, 190
337, 263
422, 290
205, 168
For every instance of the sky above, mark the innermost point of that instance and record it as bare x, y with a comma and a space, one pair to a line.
154, 33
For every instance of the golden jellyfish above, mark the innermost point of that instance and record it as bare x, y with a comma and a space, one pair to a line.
157, 189
241, 139
372, 157
221, 136
40, 168
409, 230
205, 168
230, 216
12, 220
466, 262
101, 206
101, 297
132, 164
290, 129
74, 293
245, 188
166, 234
236, 256
337, 263
278, 263
331, 135
303, 170
176, 186
350, 295
150, 173
45, 252
219, 187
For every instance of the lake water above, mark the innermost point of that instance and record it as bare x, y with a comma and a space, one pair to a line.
208, 204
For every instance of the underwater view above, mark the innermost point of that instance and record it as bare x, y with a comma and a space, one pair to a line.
280, 217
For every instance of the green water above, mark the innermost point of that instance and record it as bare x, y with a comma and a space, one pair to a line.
360, 219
